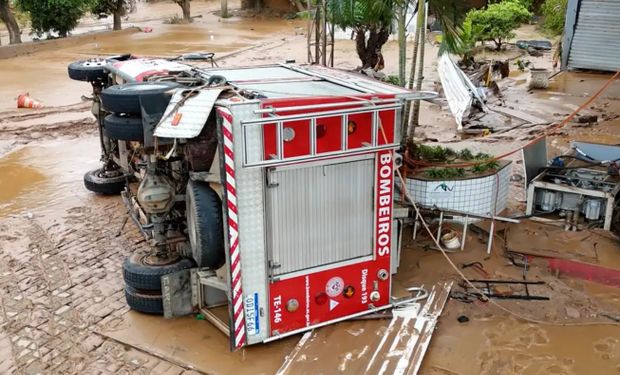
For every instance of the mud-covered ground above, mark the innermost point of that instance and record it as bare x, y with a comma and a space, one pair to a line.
62, 248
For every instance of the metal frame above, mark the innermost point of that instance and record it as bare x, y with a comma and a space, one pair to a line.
610, 197
280, 159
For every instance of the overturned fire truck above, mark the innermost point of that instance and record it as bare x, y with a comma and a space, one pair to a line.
267, 189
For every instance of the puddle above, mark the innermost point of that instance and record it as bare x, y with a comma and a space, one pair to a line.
40, 179
584, 84
16, 179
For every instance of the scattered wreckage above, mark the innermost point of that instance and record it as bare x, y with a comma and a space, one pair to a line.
580, 187
268, 189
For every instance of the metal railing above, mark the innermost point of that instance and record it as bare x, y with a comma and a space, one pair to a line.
279, 158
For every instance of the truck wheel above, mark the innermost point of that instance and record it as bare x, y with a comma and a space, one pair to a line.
88, 70
98, 181
126, 98
205, 224
123, 128
140, 272
144, 301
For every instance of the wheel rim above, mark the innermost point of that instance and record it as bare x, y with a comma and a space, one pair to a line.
154, 260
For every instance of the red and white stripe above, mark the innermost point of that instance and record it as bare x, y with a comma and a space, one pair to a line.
239, 338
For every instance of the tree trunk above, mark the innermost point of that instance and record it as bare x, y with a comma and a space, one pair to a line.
369, 49
15, 35
420, 78
224, 8
187, 16
402, 43
300, 6
419, 45
118, 13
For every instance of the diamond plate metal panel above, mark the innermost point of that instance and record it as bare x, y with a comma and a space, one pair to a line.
251, 203
186, 120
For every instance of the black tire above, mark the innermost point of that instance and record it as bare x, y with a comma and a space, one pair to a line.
100, 182
144, 301
205, 224
140, 275
123, 128
88, 70
126, 98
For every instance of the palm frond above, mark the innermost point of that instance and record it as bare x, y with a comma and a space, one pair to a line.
450, 14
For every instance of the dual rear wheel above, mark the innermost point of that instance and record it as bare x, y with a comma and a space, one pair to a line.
142, 272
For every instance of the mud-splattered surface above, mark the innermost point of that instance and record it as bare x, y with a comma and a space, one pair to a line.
62, 248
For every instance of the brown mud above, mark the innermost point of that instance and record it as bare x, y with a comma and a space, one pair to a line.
61, 288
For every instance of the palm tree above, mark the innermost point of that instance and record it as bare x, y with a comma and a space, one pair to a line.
371, 20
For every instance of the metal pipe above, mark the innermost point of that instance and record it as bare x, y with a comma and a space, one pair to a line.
375, 128
279, 141
440, 224
344, 133
321, 156
213, 319
313, 136
304, 116
471, 214
415, 226
464, 233
362, 101
491, 235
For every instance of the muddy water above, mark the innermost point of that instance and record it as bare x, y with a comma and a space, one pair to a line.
212, 34
488, 346
38, 179
16, 179
44, 74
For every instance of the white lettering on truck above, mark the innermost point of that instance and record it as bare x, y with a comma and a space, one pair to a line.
384, 208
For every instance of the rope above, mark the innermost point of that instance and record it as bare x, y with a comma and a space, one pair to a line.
559, 125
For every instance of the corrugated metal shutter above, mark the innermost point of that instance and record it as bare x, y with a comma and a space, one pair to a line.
320, 215
596, 42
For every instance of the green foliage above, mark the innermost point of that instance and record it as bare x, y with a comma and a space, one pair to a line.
469, 34
484, 167
497, 21
444, 173
393, 80
104, 8
554, 13
482, 162
527, 4
362, 15
60, 16
434, 153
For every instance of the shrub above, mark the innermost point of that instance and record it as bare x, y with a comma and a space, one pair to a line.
554, 14
497, 22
